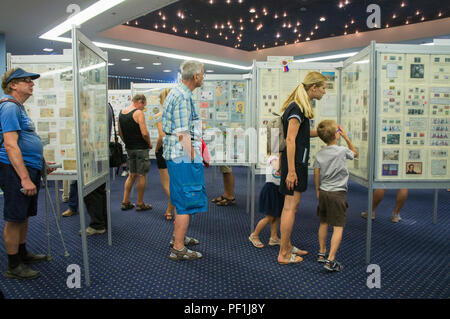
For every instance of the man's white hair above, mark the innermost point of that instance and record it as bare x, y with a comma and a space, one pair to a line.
189, 68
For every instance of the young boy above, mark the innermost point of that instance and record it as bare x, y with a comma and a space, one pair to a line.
330, 178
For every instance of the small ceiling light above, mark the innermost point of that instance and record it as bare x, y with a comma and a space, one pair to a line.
439, 14
289, 26
216, 26
256, 16
284, 14
278, 35
196, 32
284, 25
211, 1
240, 1
387, 25
252, 10
275, 16
295, 30
353, 21
346, 26
417, 12
110, 64
222, 26
167, 71
228, 1
136, 23
164, 25
207, 36
341, 5
157, 63
423, 18
403, 4
242, 27
47, 50
160, 13
356, 31
156, 26
308, 38
347, 2
210, 71
298, 23
186, 31
312, 33
125, 59
407, 22
394, 16
139, 67
316, 27
345, 33
163, 17
240, 20
226, 37
322, 19
251, 20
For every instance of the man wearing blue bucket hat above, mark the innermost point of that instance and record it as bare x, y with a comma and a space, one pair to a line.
21, 162
182, 152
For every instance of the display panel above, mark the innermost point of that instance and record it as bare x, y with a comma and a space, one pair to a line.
93, 97
355, 102
274, 87
222, 105
51, 107
414, 116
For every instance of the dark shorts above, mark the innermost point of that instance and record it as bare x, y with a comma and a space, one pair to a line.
160, 161
138, 161
17, 206
332, 208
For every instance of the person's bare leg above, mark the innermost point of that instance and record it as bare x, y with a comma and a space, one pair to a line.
286, 226
180, 228
274, 225
12, 235
260, 226
402, 195
322, 234
336, 239
128, 186
228, 185
141, 182
165, 181
378, 195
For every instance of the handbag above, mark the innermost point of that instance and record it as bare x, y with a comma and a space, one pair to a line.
205, 154
115, 148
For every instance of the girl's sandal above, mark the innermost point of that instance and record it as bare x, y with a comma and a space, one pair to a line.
226, 202
256, 241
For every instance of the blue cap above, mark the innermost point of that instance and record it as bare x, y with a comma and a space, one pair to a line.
21, 73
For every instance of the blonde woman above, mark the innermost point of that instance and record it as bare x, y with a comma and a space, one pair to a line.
297, 111
160, 161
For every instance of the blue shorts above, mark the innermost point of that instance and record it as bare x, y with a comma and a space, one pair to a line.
17, 206
187, 187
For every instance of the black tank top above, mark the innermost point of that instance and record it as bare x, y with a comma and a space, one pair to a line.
131, 132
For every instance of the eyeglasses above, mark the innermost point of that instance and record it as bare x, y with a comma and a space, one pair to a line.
27, 80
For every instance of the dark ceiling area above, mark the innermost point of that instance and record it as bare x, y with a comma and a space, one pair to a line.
259, 24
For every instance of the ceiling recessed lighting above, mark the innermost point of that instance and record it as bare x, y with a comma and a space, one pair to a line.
48, 50
252, 10
110, 64
167, 71
209, 71
139, 67
157, 63
125, 59
322, 19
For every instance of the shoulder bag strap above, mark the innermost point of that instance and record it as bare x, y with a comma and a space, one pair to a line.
13, 101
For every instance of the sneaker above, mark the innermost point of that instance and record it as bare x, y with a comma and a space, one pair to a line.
124, 173
333, 265
396, 218
188, 241
364, 215
92, 231
21, 272
68, 213
184, 254
32, 258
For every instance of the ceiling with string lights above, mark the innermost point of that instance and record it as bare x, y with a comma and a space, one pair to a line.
259, 24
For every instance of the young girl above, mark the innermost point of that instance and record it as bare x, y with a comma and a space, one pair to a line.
271, 203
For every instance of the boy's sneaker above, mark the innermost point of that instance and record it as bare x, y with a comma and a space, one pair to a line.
333, 265
365, 214
396, 218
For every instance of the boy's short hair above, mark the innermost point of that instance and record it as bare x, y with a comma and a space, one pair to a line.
139, 97
327, 130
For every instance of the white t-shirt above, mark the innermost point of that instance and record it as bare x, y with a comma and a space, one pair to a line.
333, 168
273, 174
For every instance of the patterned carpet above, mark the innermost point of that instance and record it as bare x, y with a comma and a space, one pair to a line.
413, 255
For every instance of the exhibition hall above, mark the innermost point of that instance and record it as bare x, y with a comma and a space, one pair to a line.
238, 150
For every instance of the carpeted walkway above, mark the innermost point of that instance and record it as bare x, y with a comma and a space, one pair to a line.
413, 255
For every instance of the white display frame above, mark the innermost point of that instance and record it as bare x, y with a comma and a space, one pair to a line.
319, 66
101, 179
248, 123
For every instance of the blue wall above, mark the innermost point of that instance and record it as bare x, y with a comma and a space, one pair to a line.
2, 54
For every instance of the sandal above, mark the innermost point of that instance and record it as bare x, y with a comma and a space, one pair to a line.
256, 242
188, 241
274, 242
298, 251
168, 215
226, 202
294, 260
322, 257
184, 254
143, 207
217, 199
127, 206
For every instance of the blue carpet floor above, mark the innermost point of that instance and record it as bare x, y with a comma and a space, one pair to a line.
413, 255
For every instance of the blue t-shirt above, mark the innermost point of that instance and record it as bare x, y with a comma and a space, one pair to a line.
14, 119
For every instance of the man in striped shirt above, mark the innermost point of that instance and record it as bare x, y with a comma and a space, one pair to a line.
182, 152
